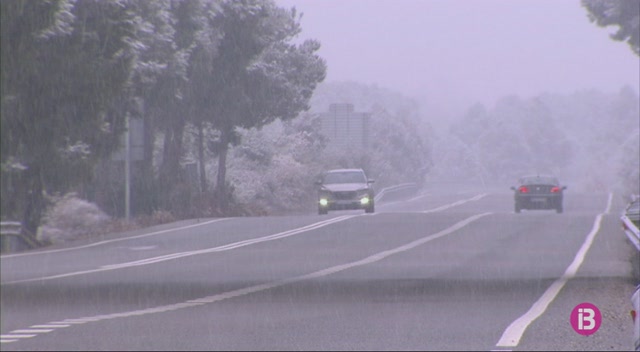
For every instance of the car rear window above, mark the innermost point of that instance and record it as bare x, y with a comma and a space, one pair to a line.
539, 180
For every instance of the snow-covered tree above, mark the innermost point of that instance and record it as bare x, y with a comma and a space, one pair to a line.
257, 76
64, 67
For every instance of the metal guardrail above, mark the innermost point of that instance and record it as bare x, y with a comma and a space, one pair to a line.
10, 228
12, 237
631, 231
400, 187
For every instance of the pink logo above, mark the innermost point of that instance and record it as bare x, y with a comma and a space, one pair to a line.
586, 318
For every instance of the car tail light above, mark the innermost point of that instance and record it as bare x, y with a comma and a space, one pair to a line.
523, 189
634, 315
555, 189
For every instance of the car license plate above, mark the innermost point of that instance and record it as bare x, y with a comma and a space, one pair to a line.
538, 200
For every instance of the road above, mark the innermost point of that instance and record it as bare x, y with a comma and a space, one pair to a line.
439, 270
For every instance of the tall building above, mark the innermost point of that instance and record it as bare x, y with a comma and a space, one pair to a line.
344, 127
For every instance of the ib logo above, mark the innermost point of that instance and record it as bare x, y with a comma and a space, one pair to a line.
586, 318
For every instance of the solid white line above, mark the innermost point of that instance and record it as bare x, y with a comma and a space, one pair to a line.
262, 287
191, 253
52, 326
16, 336
111, 241
31, 331
460, 202
379, 256
609, 201
384, 204
74, 322
263, 239
7, 341
512, 335
440, 208
231, 245
418, 197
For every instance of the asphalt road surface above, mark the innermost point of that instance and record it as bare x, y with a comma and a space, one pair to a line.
437, 270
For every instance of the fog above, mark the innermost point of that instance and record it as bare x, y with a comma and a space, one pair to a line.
451, 54
479, 91
505, 87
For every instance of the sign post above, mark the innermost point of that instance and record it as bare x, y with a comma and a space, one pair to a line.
127, 171
132, 150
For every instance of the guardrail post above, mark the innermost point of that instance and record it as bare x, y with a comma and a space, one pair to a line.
12, 237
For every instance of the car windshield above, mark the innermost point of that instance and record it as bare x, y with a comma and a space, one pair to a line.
344, 177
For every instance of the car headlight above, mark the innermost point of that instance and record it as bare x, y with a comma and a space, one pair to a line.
365, 200
324, 202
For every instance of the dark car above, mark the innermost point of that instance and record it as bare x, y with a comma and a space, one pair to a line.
345, 189
538, 192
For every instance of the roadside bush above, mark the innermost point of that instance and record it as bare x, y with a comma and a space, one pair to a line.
70, 217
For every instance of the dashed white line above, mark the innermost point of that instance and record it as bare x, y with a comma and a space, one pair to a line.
262, 287
111, 241
191, 253
231, 245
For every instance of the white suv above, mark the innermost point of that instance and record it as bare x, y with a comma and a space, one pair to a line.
345, 189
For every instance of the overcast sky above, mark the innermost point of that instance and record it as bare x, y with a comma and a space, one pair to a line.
457, 52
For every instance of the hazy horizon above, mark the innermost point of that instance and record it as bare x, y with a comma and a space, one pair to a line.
451, 54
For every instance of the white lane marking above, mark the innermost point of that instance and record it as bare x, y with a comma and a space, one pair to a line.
460, 202
31, 331
142, 248
16, 336
231, 245
191, 253
379, 256
114, 240
384, 204
262, 287
175, 229
34, 330
443, 207
418, 197
512, 335
609, 201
